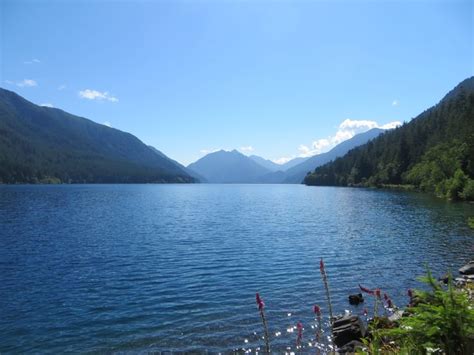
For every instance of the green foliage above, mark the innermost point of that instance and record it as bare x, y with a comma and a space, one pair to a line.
441, 171
434, 152
443, 318
470, 222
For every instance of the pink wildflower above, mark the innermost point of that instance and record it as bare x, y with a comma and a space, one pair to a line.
259, 302
317, 310
366, 290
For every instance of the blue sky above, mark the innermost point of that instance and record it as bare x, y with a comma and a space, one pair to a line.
273, 78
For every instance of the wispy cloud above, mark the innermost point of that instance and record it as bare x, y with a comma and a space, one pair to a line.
26, 83
107, 123
47, 105
395, 103
32, 61
23, 83
62, 87
346, 130
247, 149
97, 95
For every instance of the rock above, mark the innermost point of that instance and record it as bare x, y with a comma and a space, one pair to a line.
459, 281
396, 316
444, 279
347, 329
351, 347
467, 269
356, 299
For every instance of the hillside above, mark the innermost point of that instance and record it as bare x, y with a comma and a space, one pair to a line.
228, 167
42, 144
434, 152
266, 163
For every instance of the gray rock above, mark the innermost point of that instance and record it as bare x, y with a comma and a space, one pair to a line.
351, 347
467, 269
347, 329
396, 316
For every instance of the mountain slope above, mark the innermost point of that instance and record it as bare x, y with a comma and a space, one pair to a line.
434, 151
297, 173
191, 173
266, 163
40, 144
228, 167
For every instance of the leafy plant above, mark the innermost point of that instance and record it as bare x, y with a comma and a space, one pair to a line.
470, 222
442, 318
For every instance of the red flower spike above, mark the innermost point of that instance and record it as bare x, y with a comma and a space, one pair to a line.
321, 265
377, 292
366, 290
299, 326
317, 310
260, 303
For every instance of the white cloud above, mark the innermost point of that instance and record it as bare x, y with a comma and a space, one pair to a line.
107, 123
62, 87
9, 82
346, 130
395, 103
34, 60
26, 83
247, 149
47, 105
97, 95
391, 125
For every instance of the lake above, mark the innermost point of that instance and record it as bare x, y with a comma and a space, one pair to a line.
137, 268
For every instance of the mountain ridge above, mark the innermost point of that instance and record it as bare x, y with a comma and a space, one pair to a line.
43, 144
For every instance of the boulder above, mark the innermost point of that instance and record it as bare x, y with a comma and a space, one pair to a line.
356, 299
467, 269
352, 347
347, 329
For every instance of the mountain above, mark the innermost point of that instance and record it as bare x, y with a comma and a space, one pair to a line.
43, 144
266, 163
228, 167
293, 162
434, 152
193, 174
297, 173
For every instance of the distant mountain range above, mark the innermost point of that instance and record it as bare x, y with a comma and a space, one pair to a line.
43, 144
235, 167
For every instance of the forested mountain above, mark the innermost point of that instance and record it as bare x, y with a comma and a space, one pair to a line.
42, 144
228, 167
296, 174
434, 152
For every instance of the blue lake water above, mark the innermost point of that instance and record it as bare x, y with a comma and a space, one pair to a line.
103, 268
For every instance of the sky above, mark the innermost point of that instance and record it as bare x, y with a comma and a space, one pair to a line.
279, 79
